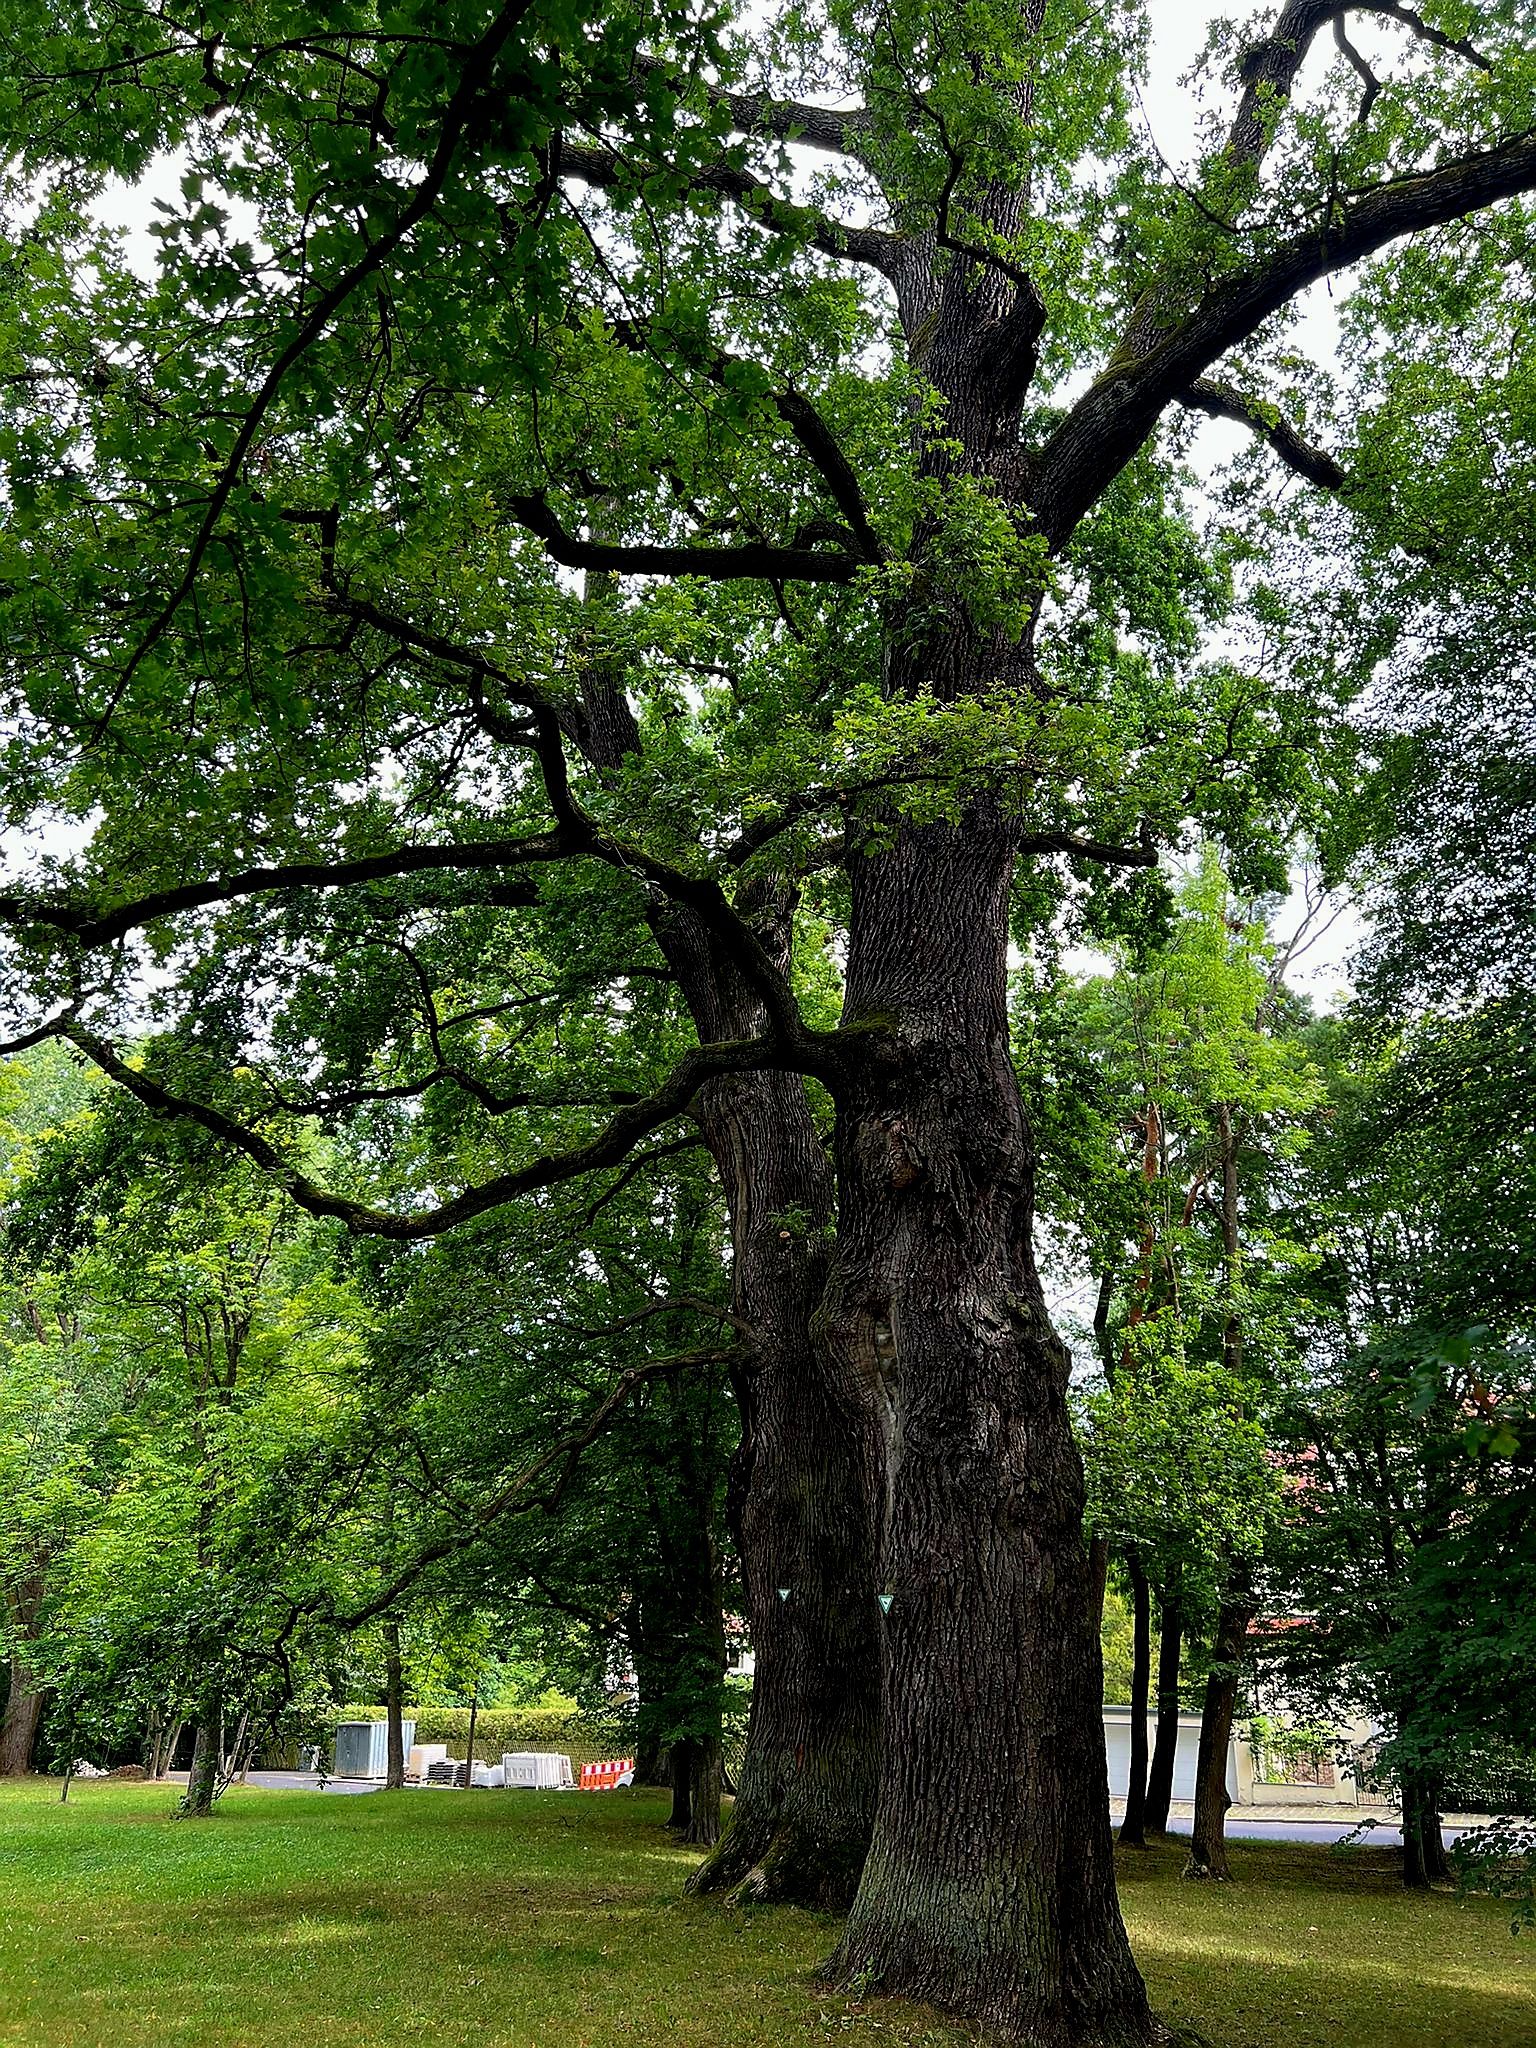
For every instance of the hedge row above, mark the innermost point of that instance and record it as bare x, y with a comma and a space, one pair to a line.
502, 1728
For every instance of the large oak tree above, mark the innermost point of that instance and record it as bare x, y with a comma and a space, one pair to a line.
858, 396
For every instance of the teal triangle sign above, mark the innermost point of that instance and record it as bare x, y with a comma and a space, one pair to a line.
783, 1592
885, 1600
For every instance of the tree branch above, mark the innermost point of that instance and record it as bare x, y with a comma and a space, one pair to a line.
505, 1498
804, 421
833, 129
1221, 402
1115, 415
754, 560
478, 62
1410, 18
604, 169
1105, 852
91, 928
610, 1147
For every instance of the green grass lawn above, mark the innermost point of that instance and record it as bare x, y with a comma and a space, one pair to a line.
527, 1920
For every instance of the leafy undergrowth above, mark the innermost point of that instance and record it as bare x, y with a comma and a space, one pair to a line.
480, 1920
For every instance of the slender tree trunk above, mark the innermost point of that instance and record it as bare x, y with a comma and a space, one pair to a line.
989, 1886
1208, 1846
706, 1789
203, 1778
19, 1724
1133, 1827
680, 1767
1424, 1858
1098, 1577
804, 1489
394, 1707
469, 1747
1165, 1749
161, 1746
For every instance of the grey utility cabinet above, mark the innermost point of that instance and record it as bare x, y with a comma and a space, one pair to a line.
362, 1747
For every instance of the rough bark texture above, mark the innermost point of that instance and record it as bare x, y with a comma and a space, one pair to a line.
24, 1700
1208, 1843
1133, 1827
19, 1725
989, 1884
1170, 1644
802, 1504
394, 1708
804, 1486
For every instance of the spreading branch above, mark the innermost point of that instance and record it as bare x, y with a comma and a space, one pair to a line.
611, 1146
1221, 402
838, 131
752, 560
1102, 851
518, 1489
479, 62
804, 421
605, 170
91, 928
1115, 415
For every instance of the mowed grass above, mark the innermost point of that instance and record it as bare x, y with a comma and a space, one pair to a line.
526, 1920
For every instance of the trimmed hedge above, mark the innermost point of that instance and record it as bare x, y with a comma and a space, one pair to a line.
504, 1728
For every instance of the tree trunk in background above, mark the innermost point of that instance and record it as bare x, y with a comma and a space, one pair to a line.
1170, 1643
24, 1700
804, 1488
203, 1778
394, 1707
160, 1747
1208, 1846
1098, 1577
680, 1770
706, 1789
652, 1683
1133, 1827
1424, 1859
19, 1724
802, 1493
698, 1777
989, 1886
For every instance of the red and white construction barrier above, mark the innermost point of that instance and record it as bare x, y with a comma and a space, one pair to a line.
604, 1777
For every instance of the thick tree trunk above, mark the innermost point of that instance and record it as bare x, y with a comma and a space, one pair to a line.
394, 1707
203, 1778
803, 1493
1133, 1827
1170, 1643
1208, 1844
653, 1682
802, 1499
989, 1886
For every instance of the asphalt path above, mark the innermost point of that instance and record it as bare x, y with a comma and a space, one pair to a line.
1321, 1833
